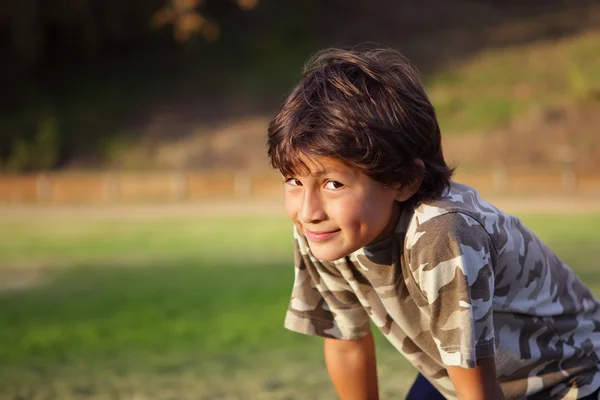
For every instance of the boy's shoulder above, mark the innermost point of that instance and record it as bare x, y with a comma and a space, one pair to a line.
458, 199
456, 212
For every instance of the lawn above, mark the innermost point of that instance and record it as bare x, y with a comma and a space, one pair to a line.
179, 308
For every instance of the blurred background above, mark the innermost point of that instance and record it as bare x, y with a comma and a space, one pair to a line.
143, 248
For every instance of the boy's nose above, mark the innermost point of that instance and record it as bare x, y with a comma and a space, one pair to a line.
311, 209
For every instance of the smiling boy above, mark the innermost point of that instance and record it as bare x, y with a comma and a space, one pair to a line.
472, 298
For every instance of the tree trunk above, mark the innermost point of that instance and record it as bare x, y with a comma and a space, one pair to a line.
25, 31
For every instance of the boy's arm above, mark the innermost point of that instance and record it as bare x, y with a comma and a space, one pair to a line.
352, 368
477, 383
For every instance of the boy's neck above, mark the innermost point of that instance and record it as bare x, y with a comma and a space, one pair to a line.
391, 226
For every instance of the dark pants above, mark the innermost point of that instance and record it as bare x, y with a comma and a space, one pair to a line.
422, 389
593, 396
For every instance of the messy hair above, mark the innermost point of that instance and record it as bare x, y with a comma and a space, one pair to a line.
368, 109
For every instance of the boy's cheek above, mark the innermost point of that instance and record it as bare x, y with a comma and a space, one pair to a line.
291, 207
299, 228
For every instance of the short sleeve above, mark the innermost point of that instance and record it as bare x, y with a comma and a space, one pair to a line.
451, 258
322, 302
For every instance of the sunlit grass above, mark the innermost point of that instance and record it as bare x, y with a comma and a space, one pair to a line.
207, 323
498, 85
154, 241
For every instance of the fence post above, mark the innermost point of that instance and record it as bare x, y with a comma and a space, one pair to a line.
242, 184
111, 187
43, 188
179, 185
569, 179
500, 178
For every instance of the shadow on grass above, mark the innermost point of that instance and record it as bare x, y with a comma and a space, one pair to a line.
91, 311
211, 328
112, 331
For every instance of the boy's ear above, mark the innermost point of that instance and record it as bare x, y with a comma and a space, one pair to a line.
407, 190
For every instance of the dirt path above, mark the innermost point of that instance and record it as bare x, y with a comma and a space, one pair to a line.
245, 208
140, 211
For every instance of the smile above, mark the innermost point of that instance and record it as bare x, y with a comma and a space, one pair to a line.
319, 236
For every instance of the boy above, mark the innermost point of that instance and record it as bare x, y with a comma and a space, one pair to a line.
474, 300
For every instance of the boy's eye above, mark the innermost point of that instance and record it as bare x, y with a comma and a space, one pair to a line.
334, 185
293, 182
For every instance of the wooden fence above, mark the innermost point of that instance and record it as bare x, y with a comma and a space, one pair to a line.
129, 187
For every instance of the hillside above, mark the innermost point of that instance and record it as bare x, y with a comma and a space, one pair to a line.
513, 82
528, 104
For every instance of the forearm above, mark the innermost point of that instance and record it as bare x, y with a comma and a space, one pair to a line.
491, 392
352, 367
477, 383
494, 393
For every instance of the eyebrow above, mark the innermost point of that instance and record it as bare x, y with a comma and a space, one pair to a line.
319, 173
318, 170
323, 172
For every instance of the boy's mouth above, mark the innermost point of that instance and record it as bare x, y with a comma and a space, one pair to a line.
320, 236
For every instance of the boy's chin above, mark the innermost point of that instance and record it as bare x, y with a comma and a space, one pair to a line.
324, 254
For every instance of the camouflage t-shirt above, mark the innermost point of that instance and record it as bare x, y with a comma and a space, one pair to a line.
458, 281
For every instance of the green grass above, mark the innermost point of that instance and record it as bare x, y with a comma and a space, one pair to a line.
499, 85
155, 241
196, 314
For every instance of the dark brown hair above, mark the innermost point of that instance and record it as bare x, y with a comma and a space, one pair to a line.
366, 108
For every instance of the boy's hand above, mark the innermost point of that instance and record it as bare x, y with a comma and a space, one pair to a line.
352, 368
477, 383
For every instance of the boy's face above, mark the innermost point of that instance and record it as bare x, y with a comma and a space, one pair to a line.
340, 209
